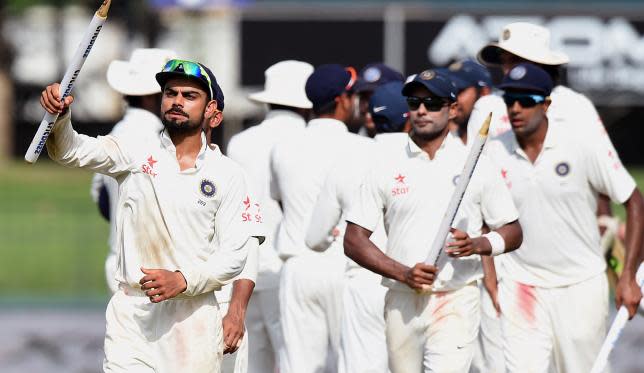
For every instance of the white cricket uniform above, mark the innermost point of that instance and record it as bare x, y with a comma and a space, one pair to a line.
251, 149
431, 332
559, 268
362, 337
189, 221
312, 282
485, 105
136, 123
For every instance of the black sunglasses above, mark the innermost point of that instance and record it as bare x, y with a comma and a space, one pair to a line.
431, 104
526, 100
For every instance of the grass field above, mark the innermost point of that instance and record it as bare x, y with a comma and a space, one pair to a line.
52, 240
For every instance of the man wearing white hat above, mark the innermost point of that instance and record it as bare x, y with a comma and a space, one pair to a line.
288, 107
134, 79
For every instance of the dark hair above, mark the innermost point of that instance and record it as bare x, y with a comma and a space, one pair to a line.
133, 101
328, 108
283, 107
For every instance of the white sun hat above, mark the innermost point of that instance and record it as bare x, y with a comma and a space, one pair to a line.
284, 85
526, 40
136, 76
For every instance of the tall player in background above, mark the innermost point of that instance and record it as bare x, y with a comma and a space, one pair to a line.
288, 110
526, 42
553, 290
134, 79
362, 340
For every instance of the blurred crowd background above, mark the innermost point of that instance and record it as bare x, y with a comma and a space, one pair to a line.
53, 241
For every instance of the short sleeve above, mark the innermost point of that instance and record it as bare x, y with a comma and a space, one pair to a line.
366, 211
497, 206
607, 174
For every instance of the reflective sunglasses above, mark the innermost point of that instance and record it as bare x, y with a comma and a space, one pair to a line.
431, 104
526, 100
189, 68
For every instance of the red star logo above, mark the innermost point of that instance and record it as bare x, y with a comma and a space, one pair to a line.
504, 173
247, 202
400, 178
151, 162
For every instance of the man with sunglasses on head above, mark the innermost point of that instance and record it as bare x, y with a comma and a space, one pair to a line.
312, 282
553, 291
431, 313
180, 228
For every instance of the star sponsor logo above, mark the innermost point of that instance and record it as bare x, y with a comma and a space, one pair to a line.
401, 187
400, 178
148, 167
252, 212
504, 175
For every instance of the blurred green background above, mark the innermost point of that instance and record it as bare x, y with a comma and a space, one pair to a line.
54, 241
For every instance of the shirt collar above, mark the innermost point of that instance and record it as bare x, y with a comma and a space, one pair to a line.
549, 142
415, 151
329, 124
167, 143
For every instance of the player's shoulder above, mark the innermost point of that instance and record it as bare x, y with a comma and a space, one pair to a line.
491, 101
567, 96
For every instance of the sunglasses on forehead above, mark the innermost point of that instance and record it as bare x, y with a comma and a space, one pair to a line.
431, 104
526, 100
189, 68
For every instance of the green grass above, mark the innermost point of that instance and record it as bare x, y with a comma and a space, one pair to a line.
52, 240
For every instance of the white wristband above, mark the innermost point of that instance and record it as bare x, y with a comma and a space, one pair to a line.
497, 242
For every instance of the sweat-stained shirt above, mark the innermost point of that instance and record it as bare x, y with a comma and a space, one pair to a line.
190, 220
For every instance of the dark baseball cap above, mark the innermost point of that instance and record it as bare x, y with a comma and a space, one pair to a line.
529, 77
328, 82
374, 75
388, 107
196, 71
468, 73
436, 81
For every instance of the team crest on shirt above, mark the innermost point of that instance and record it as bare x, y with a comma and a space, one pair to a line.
562, 169
207, 188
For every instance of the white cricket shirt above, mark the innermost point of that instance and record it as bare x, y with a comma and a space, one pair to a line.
299, 167
557, 201
482, 108
189, 220
412, 193
251, 149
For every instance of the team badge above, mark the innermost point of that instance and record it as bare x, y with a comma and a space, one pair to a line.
372, 74
518, 73
562, 169
207, 188
456, 66
427, 75
506, 34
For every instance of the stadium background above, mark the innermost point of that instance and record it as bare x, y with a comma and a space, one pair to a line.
52, 239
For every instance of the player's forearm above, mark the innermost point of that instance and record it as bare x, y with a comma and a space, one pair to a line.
359, 247
634, 231
512, 235
242, 291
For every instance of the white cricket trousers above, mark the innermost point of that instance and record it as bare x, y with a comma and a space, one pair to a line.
564, 325
363, 346
311, 310
236, 362
432, 332
488, 355
264, 329
177, 335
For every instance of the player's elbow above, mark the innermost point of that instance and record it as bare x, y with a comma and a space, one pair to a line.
513, 236
354, 239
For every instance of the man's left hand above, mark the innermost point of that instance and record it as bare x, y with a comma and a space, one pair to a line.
462, 245
161, 284
233, 324
627, 293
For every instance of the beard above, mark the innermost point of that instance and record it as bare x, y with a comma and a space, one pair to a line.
186, 126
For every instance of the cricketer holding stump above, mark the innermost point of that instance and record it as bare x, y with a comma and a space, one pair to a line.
180, 229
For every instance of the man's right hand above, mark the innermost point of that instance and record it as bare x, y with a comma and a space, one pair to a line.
420, 277
50, 100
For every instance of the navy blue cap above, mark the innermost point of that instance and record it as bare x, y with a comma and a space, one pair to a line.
436, 81
163, 76
529, 77
374, 75
388, 107
469, 73
328, 82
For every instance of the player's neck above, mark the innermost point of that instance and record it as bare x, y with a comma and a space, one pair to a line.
187, 145
532, 143
430, 144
